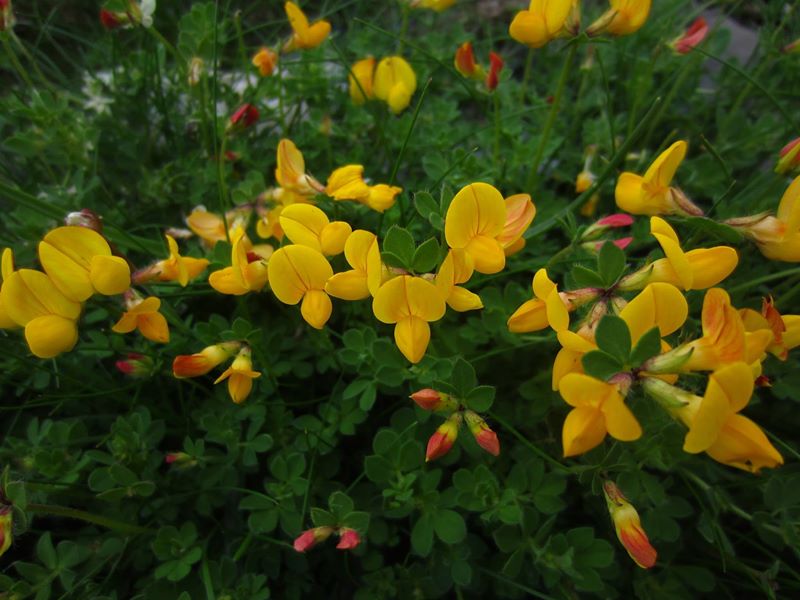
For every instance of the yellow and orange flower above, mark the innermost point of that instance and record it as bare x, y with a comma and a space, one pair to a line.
144, 315
305, 36
240, 376
629, 527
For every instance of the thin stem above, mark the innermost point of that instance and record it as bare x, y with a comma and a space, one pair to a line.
526, 74
551, 118
63, 511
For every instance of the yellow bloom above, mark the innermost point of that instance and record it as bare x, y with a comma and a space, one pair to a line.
291, 171
144, 316
175, 268
520, 212
394, 83
694, 270
244, 275
622, 18
362, 253
305, 36
266, 60
361, 80
598, 409
784, 329
629, 527
457, 268
210, 227
300, 273
240, 376
652, 193
200, 363
548, 308
474, 222
544, 21
347, 183
778, 238
437, 5
411, 303
6, 269
307, 225
79, 262
31, 300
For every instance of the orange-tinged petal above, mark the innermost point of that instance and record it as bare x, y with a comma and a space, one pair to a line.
297, 18
584, 429
477, 209
486, 253
520, 212
207, 226
127, 323
50, 335
316, 308
109, 275
317, 33
638, 545
743, 445
412, 334
239, 387
153, 326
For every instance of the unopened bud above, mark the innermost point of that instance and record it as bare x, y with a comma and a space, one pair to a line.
85, 218
348, 539
244, 117
6, 525
180, 460
311, 537
669, 362
443, 439
628, 527
483, 434
788, 157
135, 365
194, 365
495, 66
428, 399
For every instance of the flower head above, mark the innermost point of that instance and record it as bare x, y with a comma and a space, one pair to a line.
483, 434
175, 268
433, 400
548, 308
200, 363
474, 221
544, 21
142, 314
361, 78
135, 365
247, 273
622, 18
394, 83
240, 376
628, 527
307, 225
291, 171
300, 273
305, 36
265, 60
364, 279
465, 64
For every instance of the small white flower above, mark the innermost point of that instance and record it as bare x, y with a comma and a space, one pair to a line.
148, 7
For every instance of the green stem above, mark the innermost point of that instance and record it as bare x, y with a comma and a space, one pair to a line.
526, 74
71, 513
759, 280
401, 39
551, 118
12, 56
181, 63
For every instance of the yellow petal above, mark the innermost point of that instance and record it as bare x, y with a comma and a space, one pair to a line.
578, 389
27, 294
789, 207
291, 165
557, 313
391, 73
529, 28
154, 327
361, 72
69, 276
347, 183
78, 243
630, 196
711, 265
228, 281
50, 335
333, 237
659, 305
575, 342
316, 308
486, 253
7, 263
462, 300
743, 445
294, 270
736, 381
382, 196
584, 429
303, 224
663, 168
555, 15
620, 422
110, 275
567, 361
239, 387
348, 285
477, 209
520, 213
316, 34
407, 296
542, 284
256, 275
297, 18
207, 226
531, 316
412, 334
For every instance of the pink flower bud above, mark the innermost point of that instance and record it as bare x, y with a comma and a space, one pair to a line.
695, 34
443, 438
179, 459
245, 116
348, 539
135, 365
428, 399
616, 220
311, 537
486, 438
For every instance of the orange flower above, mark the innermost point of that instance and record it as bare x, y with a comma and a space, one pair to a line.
144, 316
200, 363
266, 60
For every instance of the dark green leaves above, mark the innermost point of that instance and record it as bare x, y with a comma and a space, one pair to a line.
612, 336
399, 250
610, 264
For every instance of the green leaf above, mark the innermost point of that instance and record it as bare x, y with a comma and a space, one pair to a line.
323, 518
463, 377
610, 263
480, 399
614, 338
601, 365
45, 551
719, 231
422, 536
648, 346
358, 520
449, 526
400, 243
425, 205
340, 504
584, 277
426, 257
393, 260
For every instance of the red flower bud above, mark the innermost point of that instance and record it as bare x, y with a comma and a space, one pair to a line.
311, 537
628, 527
695, 34
179, 459
110, 20
135, 365
443, 439
616, 220
495, 66
245, 115
486, 438
348, 539
428, 399
465, 60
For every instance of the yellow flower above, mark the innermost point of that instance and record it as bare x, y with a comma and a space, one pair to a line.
291, 171
144, 316
300, 273
411, 303
652, 193
622, 18
31, 300
455, 269
544, 21
362, 253
6, 269
778, 238
548, 308
361, 80
598, 409
629, 527
200, 363
394, 83
6, 519
240, 376
244, 275
305, 36
347, 183
307, 225
474, 222
784, 329
520, 212
79, 262
175, 268
694, 270
210, 227
266, 60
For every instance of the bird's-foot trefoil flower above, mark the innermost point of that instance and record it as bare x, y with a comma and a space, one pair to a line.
143, 314
433, 400
544, 21
496, 64
456, 269
307, 225
247, 273
240, 376
475, 219
520, 212
394, 83
443, 438
483, 434
365, 278
623, 17
135, 365
79, 262
465, 64
200, 363
305, 36
311, 537
652, 193
347, 183
175, 268
6, 269
410, 303
628, 527
785, 329
299, 273
548, 307
210, 227
265, 60
361, 80
291, 171
348, 538
598, 409
695, 34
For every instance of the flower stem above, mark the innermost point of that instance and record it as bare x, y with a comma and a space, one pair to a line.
526, 74
551, 118
71, 513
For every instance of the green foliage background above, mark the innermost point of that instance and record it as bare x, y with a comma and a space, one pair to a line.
329, 426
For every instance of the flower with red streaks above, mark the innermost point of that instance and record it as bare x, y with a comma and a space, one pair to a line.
443, 438
486, 438
628, 527
245, 116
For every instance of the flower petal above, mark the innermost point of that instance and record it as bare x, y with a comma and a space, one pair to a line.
50, 335
412, 334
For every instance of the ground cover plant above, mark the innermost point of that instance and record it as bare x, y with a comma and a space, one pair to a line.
415, 298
